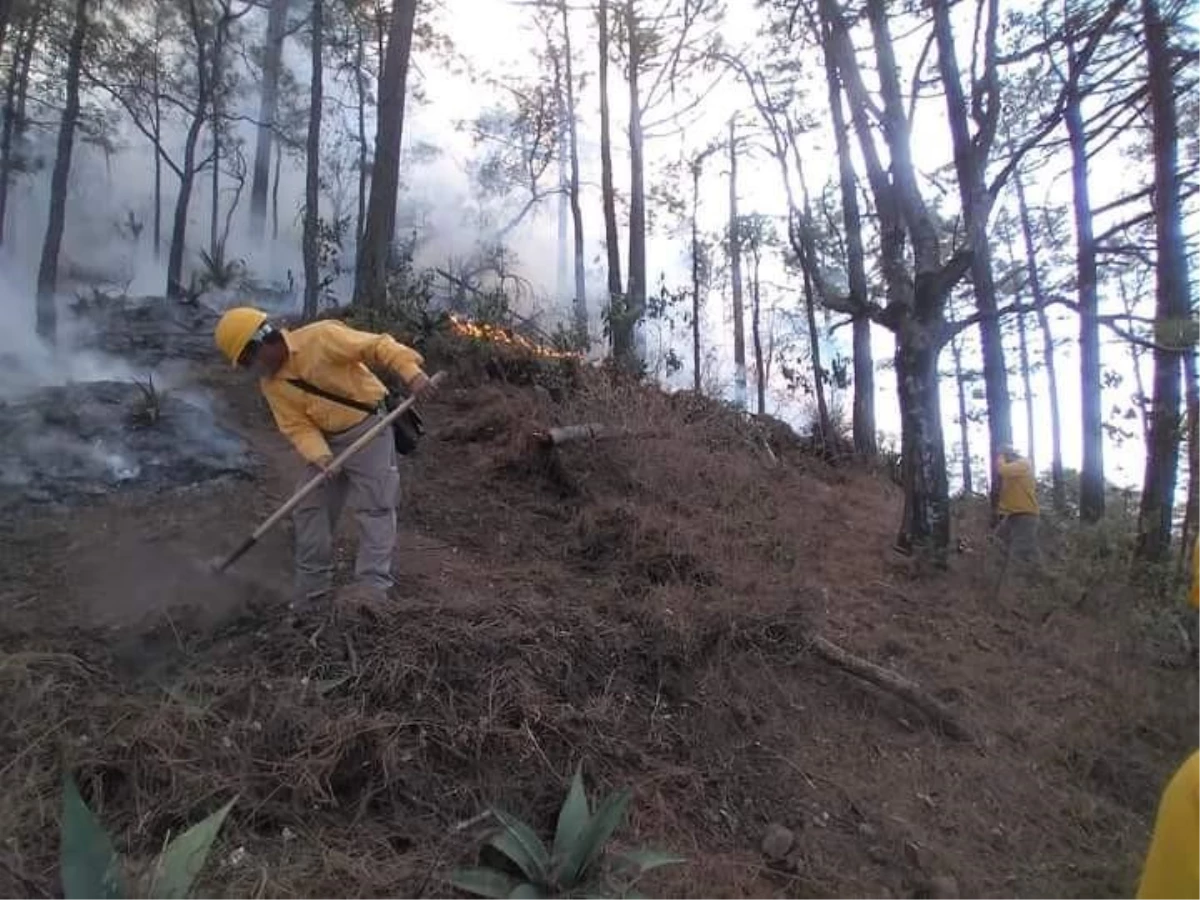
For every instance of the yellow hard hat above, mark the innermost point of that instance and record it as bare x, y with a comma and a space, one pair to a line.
235, 330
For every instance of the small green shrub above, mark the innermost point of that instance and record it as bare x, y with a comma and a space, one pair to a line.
575, 863
90, 866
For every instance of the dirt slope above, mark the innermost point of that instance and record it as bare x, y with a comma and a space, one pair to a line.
640, 604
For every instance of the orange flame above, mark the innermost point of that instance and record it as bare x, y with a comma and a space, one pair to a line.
496, 334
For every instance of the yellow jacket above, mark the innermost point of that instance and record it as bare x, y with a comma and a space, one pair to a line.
1018, 490
1194, 594
334, 357
1173, 862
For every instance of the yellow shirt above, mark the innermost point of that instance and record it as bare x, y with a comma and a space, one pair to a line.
334, 357
1173, 862
1018, 490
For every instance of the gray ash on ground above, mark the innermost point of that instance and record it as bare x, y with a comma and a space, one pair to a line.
146, 331
65, 444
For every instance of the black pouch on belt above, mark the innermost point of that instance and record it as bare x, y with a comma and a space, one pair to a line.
406, 429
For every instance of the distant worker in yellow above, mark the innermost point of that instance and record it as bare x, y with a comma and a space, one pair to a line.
1173, 862
323, 396
1017, 506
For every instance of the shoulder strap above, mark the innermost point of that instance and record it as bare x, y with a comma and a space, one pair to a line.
310, 388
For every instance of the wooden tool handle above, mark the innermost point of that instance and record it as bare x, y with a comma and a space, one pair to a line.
333, 468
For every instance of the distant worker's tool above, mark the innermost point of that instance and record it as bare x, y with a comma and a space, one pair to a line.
331, 470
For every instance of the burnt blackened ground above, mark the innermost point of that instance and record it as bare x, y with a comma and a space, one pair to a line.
85, 440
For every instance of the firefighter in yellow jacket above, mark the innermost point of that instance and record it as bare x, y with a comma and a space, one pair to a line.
323, 397
1017, 506
1173, 863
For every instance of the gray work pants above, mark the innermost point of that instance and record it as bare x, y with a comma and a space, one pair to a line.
1017, 533
371, 482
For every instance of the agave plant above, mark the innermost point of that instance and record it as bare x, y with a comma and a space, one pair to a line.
574, 864
218, 271
90, 867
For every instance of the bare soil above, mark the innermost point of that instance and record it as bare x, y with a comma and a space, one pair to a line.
638, 605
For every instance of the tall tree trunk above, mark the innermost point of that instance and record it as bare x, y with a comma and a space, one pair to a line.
612, 246
47, 311
970, 159
312, 179
696, 385
1023, 360
625, 347
157, 130
268, 105
1091, 476
964, 429
760, 367
735, 277
1057, 477
275, 191
370, 284
214, 229
814, 348
1172, 314
360, 85
856, 269
179, 219
1027, 386
18, 79
560, 152
580, 263
926, 524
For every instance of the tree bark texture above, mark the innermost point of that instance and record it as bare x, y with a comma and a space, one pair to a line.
1172, 302
696, 385
814, 349
964, 424
268, 105
47, 310
370, 285
612, 246
579, 308
18, 79
625, 328
312, 179
735, 277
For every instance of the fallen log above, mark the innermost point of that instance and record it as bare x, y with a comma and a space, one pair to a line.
892, 682
566, 434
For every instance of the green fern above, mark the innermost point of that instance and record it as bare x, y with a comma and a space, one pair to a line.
91, 867
573, 863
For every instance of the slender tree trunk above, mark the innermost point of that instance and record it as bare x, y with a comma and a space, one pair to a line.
814, 345
360, 84
157, 131
616, 305
735, 277
1172, 314
14, 107
268, 105
370, 285
560, 152
6, 132
47, 311
760, 367
695, 278
1023, 359
626, 350
275, 191
1091, 476
214, 229
856, 269
580, 305
6, 7
1027, 386
970, 158
964, 430
1057, 478
312, 180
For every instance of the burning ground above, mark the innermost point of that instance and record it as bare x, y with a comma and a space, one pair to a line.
647, 604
